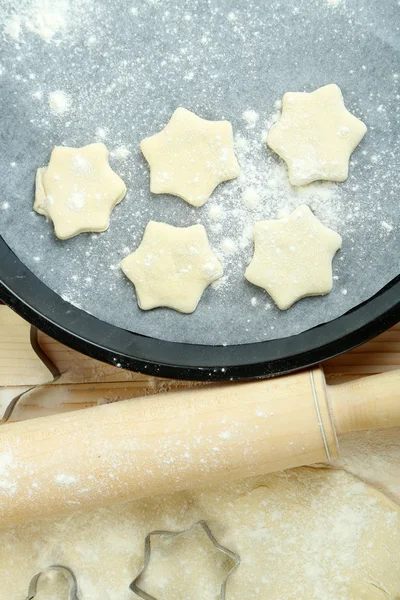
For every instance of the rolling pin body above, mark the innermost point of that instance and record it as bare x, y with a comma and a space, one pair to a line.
160, 444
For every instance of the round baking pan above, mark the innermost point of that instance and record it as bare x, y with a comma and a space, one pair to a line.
38, 304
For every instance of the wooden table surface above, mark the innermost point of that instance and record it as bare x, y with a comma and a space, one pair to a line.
86, 382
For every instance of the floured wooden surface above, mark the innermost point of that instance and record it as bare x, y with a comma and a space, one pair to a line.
307, 533
84, 381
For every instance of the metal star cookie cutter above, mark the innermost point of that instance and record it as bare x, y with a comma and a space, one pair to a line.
147, 555
47, 363
65, 572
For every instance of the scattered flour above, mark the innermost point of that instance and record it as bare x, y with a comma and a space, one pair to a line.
59, 102
45, 18
80, 165
343, 131
241, 143
65, 479
251, 117
76, 201
387, 226
121, 153
225, 435
216, 212
13, 27
48, 19
228, 246
251, 198
101, 133
7, 484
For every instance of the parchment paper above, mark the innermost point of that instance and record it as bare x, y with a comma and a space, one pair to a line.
126, 67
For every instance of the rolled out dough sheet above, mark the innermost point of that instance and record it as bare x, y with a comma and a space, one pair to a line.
306, 533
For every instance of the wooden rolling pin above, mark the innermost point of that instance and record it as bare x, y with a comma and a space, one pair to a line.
159, 444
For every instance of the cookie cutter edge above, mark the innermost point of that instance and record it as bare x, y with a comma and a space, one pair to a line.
65, 572
159, 532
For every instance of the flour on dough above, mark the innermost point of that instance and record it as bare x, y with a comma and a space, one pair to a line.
316, 135
293, 257
172, 267
307, 533
78, 190
190, 157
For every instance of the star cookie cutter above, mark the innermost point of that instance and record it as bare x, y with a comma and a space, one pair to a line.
147, 555
34, 339
65, 572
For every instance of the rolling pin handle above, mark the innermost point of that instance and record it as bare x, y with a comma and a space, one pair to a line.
367, 403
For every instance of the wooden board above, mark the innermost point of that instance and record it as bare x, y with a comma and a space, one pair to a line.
86, 382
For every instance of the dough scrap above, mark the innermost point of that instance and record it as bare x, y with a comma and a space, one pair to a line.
78, 190
190, 157
293, 257
172, 267
315, 135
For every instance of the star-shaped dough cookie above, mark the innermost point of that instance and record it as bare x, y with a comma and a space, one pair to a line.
293, 257
190, 157
172, 267
78, 190
316, 135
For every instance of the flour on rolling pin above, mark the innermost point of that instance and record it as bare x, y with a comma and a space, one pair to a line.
140, 447
167, 442
8, 482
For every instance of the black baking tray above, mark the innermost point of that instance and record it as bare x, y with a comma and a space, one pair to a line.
38, 304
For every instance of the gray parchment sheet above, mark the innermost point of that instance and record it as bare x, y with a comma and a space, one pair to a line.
126, 66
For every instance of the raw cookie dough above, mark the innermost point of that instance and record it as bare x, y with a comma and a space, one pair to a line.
190, 157
172, 267
293, 257
316, 135
78, 190
305, 534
